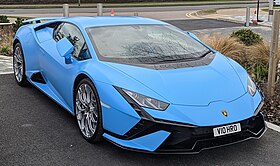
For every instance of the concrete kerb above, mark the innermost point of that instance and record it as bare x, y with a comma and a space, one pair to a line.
195, 14
241, 22
273, 126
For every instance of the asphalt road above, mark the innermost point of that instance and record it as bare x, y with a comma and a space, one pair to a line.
36, 131
125, 9
197, 24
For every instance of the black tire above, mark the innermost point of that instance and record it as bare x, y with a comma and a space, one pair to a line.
97, 136
23, 81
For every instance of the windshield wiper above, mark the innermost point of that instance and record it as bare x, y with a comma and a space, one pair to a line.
187, 59
204, 54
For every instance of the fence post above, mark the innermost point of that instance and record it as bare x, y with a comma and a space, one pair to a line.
65, 10
247, 16
99, 9
270, 11
273, 58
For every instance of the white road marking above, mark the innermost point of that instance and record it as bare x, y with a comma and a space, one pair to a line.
9, 72
192, 14
273, 126
6, 64
26, 125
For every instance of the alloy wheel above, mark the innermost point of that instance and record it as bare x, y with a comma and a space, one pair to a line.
86, 110
18, 64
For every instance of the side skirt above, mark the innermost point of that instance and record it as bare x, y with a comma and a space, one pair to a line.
47, 91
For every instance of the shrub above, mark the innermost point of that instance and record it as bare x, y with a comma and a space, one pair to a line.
18, 23
227, 46
254, 58
4, 50
4, 19
6, 41
258, 61
247, 36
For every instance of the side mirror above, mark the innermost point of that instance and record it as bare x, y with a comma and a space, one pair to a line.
65, 48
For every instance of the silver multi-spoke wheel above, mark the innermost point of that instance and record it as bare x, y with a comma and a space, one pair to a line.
18, 64
86, 110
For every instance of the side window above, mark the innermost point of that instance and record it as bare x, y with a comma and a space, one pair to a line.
73, 34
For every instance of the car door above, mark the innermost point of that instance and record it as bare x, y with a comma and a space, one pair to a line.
61, 76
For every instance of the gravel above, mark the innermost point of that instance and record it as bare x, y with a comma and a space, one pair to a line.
271, 108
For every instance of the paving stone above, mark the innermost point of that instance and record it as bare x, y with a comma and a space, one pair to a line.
6, 64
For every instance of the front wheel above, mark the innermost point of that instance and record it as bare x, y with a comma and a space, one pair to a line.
88, 111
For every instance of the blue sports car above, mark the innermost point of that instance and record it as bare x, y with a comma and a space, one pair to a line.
141, 84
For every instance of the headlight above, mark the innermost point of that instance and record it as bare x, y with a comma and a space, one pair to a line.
145, 101
251, 86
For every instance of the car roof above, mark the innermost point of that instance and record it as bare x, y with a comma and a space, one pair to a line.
86, 22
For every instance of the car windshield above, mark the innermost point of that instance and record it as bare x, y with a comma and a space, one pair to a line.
145, 44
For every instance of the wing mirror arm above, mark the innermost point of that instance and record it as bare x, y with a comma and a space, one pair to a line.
65, 49
68, 60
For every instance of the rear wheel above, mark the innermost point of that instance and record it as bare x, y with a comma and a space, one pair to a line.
19, 65
88, 111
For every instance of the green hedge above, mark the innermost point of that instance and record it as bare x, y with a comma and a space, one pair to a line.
4, 19
247, 36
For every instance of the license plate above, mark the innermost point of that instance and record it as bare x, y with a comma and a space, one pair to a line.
228, 129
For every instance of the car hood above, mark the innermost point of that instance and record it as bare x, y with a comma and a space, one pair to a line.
201, 85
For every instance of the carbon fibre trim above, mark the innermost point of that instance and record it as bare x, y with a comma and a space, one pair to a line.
204, 139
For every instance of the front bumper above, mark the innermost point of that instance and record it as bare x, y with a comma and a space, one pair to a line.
183, 138
203, 138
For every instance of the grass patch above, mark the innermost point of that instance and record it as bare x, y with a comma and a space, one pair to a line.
15, 17
207, 12
266, 9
